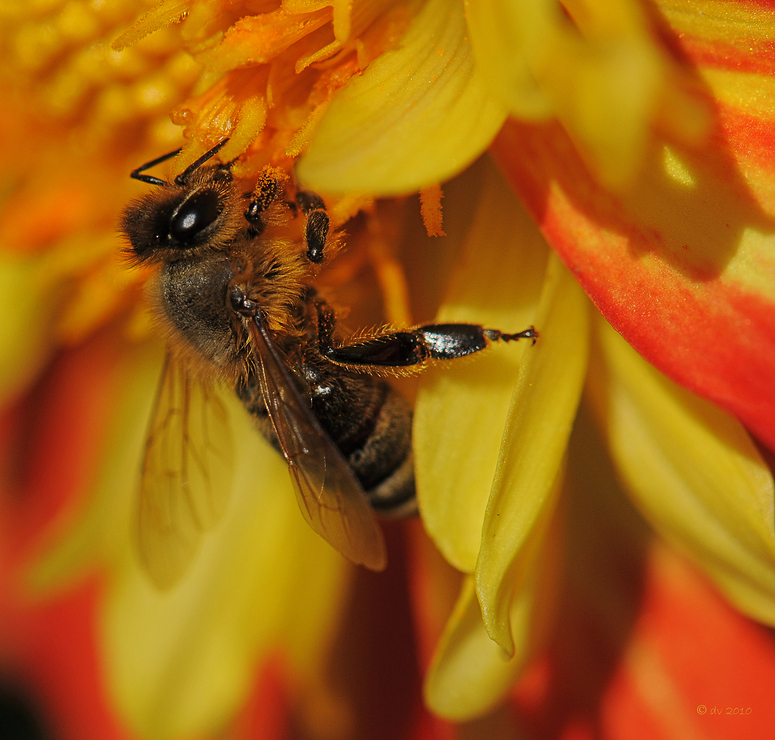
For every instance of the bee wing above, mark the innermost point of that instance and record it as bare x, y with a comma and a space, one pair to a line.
186, 475
330, 497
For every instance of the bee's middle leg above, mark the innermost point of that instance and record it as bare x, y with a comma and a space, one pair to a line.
316, 230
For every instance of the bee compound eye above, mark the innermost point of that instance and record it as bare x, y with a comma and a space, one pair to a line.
195, 215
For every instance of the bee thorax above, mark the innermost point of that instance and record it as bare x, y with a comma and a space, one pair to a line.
193, 297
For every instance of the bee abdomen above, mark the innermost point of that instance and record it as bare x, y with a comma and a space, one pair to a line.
371, 425
368, 422
383, 463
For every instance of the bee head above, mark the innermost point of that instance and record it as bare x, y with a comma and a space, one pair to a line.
196, 212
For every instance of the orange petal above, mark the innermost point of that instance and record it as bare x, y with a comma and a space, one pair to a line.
641, 641
681, 266
688, 666
691, 469
685, 672
257, 39
682, 263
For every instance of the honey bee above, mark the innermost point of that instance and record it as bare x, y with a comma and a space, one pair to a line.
235, 294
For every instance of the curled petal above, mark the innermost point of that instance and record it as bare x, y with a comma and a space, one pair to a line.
461, 408
541, 415
692, 470
418, 115
469, 672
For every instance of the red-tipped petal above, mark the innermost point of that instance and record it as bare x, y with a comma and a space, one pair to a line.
682, 263
682, 271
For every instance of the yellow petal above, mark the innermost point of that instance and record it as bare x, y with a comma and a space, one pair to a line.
593, 64
470, 673
692, 470
181, 662
461, 407
604, 73
540, 419
23, 336
162, 14
102, 531
418, 114
505, 36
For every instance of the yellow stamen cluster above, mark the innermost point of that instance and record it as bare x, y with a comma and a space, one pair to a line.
59, 53
270, 72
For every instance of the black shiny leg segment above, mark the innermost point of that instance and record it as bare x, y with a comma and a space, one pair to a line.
416, 346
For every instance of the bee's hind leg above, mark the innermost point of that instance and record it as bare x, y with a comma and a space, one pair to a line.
408, 348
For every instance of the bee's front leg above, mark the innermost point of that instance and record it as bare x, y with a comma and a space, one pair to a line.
268, 192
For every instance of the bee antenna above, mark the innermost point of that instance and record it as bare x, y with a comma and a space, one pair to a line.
150, 179
183, 176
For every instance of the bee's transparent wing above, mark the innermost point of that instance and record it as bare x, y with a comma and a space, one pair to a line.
329, 495
186, 475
